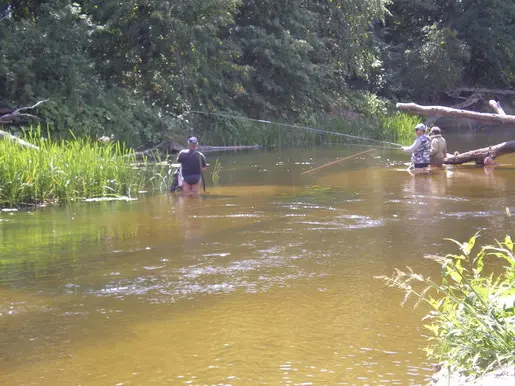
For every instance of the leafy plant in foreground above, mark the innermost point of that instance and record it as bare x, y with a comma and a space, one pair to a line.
472, 314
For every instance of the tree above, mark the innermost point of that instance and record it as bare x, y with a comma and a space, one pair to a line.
48, 57
488, 28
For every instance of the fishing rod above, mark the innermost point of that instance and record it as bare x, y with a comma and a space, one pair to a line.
297, 127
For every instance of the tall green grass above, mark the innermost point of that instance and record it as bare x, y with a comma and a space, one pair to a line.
398, 127
65, 170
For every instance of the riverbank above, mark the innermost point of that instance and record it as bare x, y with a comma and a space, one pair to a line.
502, 377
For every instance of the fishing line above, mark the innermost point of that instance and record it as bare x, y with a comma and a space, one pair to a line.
372, 146
297, 127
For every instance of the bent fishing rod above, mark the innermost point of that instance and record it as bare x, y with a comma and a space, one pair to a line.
398, 146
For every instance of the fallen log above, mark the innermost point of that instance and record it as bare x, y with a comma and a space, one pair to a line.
450, 112
21, 142
478, 156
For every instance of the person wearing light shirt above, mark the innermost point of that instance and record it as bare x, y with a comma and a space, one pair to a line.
420, 149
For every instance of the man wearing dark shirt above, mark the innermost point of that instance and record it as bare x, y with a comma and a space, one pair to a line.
192, 163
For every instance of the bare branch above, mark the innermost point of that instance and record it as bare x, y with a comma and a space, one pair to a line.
8, 118
28, 108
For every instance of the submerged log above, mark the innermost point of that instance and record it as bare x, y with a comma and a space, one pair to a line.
171, 146
450, 112
478, 156
167, 146
207, 149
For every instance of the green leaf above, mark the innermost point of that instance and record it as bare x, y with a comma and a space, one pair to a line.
456, 276
433, 328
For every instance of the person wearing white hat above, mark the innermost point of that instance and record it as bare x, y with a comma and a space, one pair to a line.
420, 149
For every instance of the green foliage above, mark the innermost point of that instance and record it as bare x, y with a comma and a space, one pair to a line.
472, 320
136, 69
488, 27
432, 45
438, 64
298, 56
50, 59
65, 170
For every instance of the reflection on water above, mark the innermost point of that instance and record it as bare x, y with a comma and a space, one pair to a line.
268, 278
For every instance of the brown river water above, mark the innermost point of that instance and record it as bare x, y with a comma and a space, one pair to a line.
266, 279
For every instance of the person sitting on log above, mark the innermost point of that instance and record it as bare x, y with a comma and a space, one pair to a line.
438, 150
420, 149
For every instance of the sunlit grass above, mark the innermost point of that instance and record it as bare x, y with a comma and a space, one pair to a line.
399, 127
65, 170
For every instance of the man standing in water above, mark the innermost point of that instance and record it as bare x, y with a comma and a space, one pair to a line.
192, 163
420, 150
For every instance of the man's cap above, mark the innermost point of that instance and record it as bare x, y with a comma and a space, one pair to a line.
193, 140
421, 126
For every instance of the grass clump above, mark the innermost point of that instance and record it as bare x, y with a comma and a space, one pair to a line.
472, 317
65, 170
398, 127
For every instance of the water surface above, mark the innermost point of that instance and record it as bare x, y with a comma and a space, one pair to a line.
267, 279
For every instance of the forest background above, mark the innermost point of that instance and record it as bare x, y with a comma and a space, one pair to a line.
137, 69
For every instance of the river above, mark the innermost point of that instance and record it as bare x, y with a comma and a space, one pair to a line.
266, 279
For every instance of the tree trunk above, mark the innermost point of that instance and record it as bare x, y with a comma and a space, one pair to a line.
450, 112
478, 156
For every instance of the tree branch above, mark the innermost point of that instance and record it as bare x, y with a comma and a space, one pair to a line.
8, 118
485, 90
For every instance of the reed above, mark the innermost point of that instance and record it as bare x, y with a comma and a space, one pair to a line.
65, 170
215, 174
398, 127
